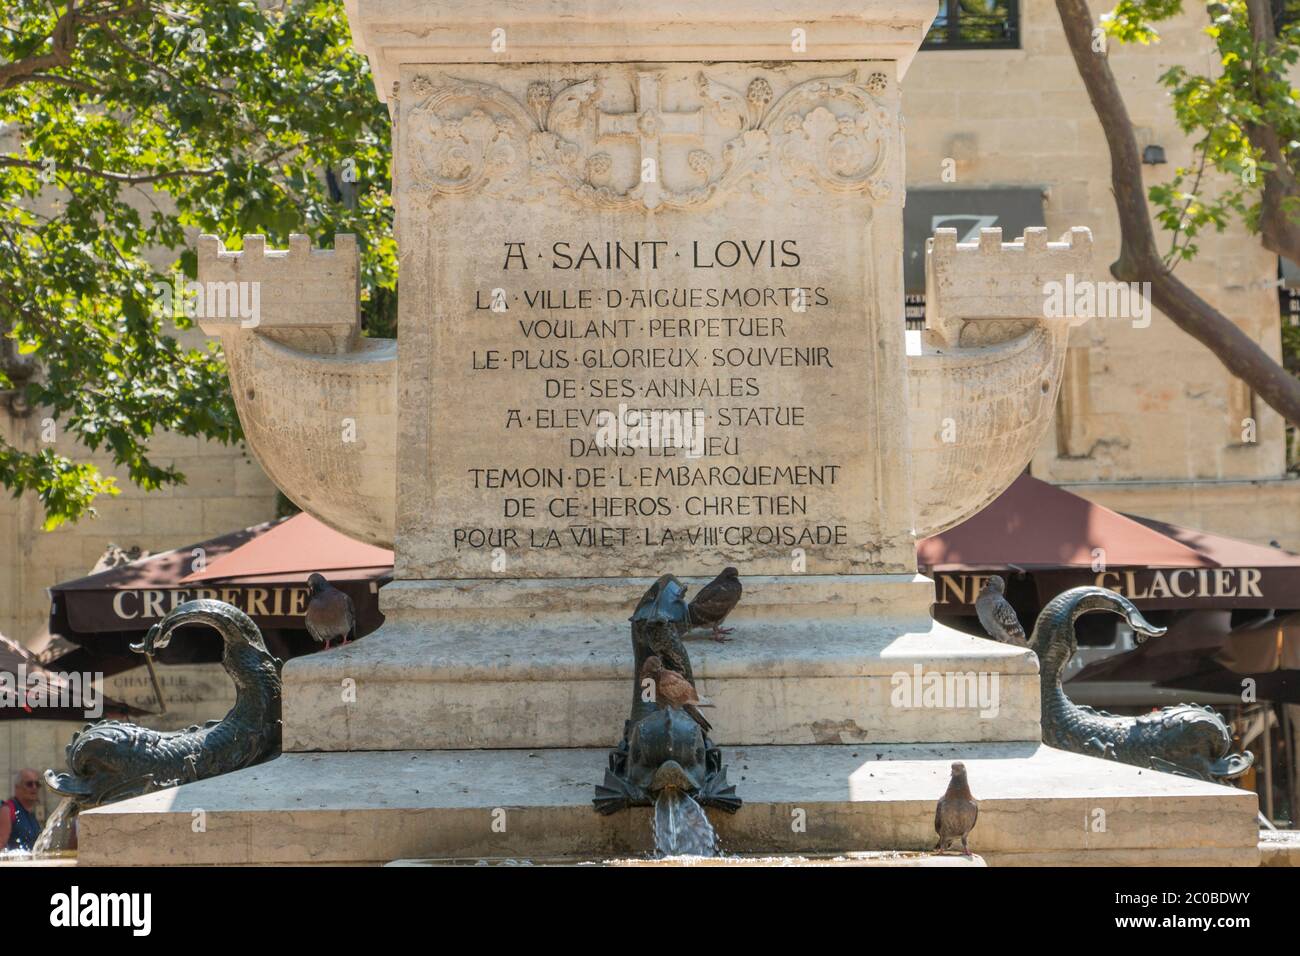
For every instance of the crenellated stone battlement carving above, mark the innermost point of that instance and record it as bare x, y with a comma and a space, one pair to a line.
318, 402
983, 387
308, 298
990, 280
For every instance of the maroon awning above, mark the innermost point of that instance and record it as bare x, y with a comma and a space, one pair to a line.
28, 690
1062, 541
261, 570
1034, 525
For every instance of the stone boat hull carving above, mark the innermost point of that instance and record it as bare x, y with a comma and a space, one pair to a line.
323, 427
318, 402
983, 390
976, 416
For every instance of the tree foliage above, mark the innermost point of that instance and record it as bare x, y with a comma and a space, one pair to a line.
126, 128
1266, 201
1243, 116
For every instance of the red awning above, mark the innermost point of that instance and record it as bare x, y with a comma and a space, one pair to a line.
1036, 525
262, 570
30, 691
300, 546
1062, 541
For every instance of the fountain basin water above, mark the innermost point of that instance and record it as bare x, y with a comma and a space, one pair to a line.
59, 834
681, 827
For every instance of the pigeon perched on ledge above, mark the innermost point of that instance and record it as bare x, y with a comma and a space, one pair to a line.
954, 817
329, 612
997, 616
715, 601
673, 689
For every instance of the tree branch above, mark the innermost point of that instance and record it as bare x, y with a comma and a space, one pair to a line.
1279, 232
1172, 259
128, 179
63, 37
1139, 258
63, 41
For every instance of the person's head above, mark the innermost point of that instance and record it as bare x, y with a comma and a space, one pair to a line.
27, 787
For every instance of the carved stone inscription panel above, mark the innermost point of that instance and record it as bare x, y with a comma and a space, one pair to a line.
649, 319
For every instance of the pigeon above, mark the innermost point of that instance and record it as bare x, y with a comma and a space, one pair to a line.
715, 601
329, 612
675, 690
665, 642
955, 815
997, 616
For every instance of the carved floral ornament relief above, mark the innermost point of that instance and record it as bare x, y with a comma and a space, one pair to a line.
832, 133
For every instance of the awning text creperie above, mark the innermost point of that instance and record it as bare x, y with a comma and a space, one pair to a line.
261, 602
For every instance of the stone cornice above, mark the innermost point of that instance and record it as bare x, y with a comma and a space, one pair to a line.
394, 32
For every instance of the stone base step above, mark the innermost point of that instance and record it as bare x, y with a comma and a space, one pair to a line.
418, 686
1038, 806
874, 858
1279, 847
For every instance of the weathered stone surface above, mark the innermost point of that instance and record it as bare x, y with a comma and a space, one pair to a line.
307, 297
1037, 805
985, 382
1279, 848
317, 402
667, 237
524, 670
866, 859
396, 32
559, 156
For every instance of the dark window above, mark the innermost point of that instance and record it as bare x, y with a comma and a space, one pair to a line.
1288, 290
974, 25
914, 310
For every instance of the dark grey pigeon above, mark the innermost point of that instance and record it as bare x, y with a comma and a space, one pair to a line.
997, 616
954, 817
715, 601
329, 612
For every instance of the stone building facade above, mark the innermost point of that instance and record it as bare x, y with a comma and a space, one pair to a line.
1149, 421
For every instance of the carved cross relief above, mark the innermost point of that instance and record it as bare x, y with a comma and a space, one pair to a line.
650, 124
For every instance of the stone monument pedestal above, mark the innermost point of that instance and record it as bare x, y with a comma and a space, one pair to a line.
694, 209
453, 750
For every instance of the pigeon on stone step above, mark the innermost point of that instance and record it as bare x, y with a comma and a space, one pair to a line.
673, 689
954, 817
997, 616
715, 601
329, 612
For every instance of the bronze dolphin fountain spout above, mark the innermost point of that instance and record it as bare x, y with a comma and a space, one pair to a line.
113, 760
1188, 740
663, 748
